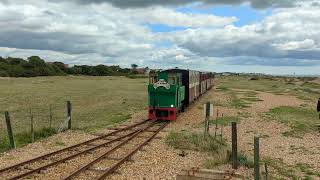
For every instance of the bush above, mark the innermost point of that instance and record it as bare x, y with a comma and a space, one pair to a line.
254, 78
35, 66
4, 73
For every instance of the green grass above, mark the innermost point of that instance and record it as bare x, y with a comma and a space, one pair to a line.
281, 168
300, 119
245, 161
225, 121
194, 141
239, 103
97, 101
291, 171
24, 138
60, 143
307, 169
214, 147
222, 88
133, 76
278, 85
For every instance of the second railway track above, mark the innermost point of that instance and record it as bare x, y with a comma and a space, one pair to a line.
93, 159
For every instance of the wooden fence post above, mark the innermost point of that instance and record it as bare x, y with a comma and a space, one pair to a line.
216, 128
221, 130
256, 159
206, 122
69, 110
50, 116
234, 146
31, 126
10, 132
266, 170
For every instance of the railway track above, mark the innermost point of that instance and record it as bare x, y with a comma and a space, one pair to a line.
105, 154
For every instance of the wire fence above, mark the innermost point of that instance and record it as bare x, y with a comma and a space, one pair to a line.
32, 123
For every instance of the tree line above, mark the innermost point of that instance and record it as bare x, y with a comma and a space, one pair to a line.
35, 66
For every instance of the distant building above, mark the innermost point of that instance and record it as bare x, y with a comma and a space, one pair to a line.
145, 70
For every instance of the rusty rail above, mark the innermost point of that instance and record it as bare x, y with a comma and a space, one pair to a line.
117, 165
74, 174
71, 148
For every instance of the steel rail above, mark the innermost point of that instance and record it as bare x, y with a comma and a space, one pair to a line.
108, 152
71, 147
117, 165
70, 157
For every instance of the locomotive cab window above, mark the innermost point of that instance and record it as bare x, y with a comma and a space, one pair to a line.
153, 79
172, 80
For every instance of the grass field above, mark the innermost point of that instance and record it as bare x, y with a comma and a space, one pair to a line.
242, 91
302, 88
97, 101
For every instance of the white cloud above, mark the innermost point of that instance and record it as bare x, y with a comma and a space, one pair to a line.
294, 45
145, 3
286, 34
173, 18
102, 33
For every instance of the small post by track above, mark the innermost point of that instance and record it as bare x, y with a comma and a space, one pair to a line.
234, 146
256, 159
31, 125
266, 171
9, 129
221, 130
69, 111
216, 123
50, 116
208, 111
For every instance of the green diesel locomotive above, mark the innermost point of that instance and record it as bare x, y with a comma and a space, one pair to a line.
171, 91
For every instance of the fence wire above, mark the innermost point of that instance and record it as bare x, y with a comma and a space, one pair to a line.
46, 120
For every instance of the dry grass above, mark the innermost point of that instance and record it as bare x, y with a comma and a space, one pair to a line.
305, 89
97, 101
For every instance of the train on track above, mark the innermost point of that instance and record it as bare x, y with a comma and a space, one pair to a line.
171, 91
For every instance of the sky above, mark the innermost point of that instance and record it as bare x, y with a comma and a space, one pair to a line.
262, 36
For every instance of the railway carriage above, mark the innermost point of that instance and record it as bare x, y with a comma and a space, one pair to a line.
171, 91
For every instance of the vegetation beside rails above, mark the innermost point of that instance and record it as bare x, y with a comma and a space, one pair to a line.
225, 121
280, 170
195, 141
214, 147
300, 119
217, 149
23, 138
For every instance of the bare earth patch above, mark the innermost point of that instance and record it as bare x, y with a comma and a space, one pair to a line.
271, 101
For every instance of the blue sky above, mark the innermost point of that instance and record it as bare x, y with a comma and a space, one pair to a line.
244, 13
165, 28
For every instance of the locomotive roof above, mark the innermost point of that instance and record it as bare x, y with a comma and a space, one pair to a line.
182, 70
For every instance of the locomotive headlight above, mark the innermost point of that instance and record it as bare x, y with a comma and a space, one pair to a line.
171, 105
